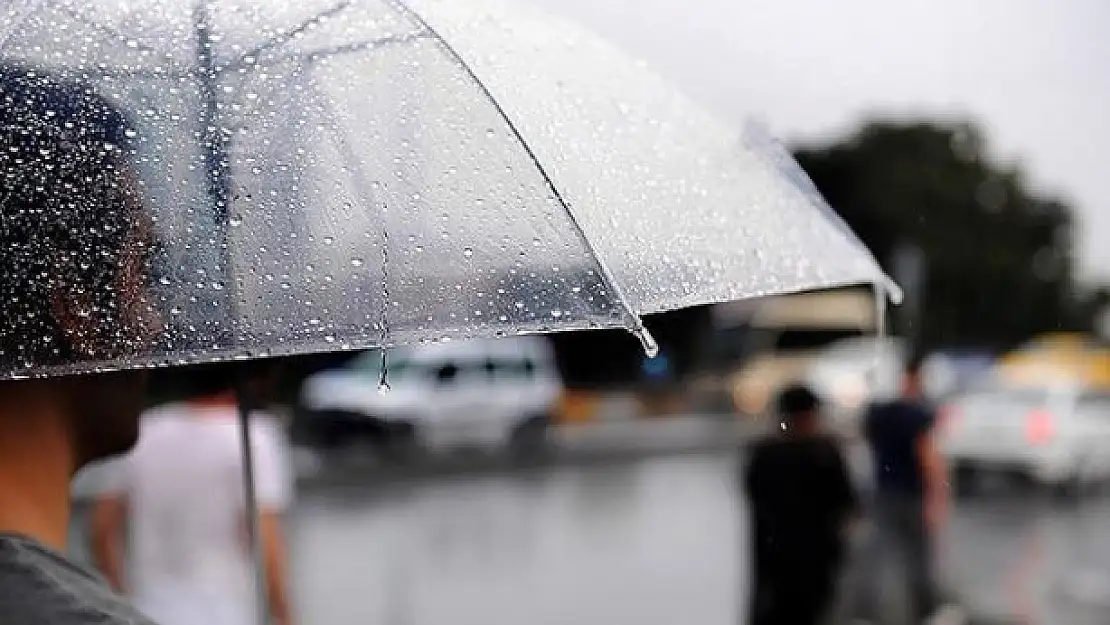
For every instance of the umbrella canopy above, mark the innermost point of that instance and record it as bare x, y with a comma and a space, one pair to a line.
249, 180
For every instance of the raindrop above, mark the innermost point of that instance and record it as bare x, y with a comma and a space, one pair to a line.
468, 252
357, 262
235, 222
383, 376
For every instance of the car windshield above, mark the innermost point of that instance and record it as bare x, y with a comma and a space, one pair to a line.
1013, 394
810, 339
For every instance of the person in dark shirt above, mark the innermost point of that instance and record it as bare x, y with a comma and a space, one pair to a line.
802, 500
910, 489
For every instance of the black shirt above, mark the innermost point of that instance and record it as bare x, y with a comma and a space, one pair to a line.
893, 430
41, 587
801, 496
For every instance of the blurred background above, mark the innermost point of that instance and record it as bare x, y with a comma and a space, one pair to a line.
572, 480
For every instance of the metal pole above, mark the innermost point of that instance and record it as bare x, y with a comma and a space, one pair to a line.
909, 269
251, 501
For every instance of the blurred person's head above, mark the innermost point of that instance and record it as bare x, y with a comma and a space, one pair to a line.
913, 384
74, 246
220, 383
799, 409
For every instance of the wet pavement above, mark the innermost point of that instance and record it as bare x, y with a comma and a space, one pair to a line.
652, 540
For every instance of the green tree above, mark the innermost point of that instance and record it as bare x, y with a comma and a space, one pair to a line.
998, 257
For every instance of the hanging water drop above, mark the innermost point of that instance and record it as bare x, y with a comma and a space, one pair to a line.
383, 376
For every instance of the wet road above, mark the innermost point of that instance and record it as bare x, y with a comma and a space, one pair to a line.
637, 542
656, 540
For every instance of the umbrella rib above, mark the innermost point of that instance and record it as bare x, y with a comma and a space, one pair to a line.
636, 324
293, 32
311, 57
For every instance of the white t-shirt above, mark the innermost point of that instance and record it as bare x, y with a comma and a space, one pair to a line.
189, 552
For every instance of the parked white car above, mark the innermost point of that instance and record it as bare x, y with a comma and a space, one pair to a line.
496, 392
1058, 435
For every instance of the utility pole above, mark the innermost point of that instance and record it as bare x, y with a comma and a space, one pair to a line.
910, 270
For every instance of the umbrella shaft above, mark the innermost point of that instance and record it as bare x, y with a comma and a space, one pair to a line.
251, 509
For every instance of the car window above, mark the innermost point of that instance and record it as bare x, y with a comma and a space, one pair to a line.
369, 364
1009, 396
447, 374
523, 369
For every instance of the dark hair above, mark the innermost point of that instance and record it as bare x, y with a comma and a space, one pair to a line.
64, 214
797, 400
205, 380
914, 364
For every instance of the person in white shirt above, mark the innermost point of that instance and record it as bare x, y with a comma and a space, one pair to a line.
177, 502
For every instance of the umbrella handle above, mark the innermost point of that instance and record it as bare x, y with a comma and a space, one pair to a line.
251, 501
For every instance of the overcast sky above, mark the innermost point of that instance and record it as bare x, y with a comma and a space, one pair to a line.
1035, 73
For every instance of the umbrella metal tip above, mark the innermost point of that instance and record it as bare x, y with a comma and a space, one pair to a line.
647, 341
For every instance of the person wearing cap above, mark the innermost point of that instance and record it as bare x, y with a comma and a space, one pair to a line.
802, 500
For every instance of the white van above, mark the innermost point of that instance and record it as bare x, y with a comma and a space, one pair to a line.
488, 393
786, 333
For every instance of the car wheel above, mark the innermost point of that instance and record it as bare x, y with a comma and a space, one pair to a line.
1069, 489
530, 438
397, 442
965, 481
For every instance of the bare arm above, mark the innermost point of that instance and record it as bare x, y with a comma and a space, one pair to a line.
272, 534
936, 479
109, 521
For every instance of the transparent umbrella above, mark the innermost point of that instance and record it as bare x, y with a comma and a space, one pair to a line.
190, 182
324, 175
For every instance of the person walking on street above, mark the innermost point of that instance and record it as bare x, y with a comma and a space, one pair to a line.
802, 500
177, 504
910, 495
